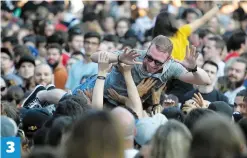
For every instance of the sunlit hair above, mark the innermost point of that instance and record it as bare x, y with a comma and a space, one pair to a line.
95, 135
171, 140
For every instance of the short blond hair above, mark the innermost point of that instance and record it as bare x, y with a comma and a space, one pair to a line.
164, 43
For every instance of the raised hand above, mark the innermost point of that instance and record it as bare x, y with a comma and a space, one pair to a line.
157, 93
103, 63
117, 97
200, 101
145, 86
189, 61
86, 95
129, 57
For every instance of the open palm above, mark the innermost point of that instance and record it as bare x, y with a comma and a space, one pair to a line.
189, 61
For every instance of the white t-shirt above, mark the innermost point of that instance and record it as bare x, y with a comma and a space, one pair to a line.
130, 153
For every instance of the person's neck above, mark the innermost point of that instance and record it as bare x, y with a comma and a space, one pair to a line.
217, 59
240, 51
206, 89
128, 144
87, 59
7, 71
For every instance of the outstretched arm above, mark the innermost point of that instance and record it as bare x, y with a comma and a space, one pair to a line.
127, 57
133, 94
199, 22
98, 91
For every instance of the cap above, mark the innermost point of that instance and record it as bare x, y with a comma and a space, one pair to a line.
26, 58
8, 127
164, 43
34, 120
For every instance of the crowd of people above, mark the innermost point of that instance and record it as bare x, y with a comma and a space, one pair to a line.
125, 79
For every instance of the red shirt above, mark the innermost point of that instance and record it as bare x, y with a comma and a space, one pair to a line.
231, 55
65, 58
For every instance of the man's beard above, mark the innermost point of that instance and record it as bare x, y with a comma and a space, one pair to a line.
237, 84
54, 65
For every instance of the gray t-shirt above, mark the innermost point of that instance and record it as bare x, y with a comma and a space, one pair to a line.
116, 80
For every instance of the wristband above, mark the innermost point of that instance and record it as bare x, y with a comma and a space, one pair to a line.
101, 77
118, 59
193, 70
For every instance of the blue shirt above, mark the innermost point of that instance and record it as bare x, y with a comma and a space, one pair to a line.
80, 71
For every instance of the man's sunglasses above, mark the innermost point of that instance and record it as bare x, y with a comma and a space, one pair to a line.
151, 59
2, 89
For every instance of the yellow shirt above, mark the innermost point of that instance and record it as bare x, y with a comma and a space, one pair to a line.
180, 41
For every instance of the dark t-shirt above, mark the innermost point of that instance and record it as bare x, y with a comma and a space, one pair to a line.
212, 96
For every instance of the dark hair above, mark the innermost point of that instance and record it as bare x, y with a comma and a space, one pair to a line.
111, 38
173, 113
89, 17
56, 46
92, 34
39, 136
204, 32
12, 39
242, 93
15, 93
11, 111
21, 50
189, 11
72, 106
40, 39
72, 35
219, 42
58, 37
195, 114
210, 63
30, 38
165, 25
235, 41
54, 134
6, 51
122, 19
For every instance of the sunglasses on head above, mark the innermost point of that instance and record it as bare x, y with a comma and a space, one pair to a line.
151, 59
3, 88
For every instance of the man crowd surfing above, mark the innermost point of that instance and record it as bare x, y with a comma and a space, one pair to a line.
125, 79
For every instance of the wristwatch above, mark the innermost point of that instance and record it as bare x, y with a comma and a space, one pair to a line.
193, 70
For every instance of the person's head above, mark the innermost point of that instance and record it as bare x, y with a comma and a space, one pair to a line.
213, 48
171, 140
237, 71
214, 24
3, 87
19, 51
165, 25
8, 127
9, 42
109, 24
95, 134
76, 41
127, 122
158, 54
6, 60
122, 26
33, 120
237, 42
15, 94
43, 75
110, 41
41, 45
30, 40
215, 136
49, 28
54, 135
26, 67
73, 106
221, 107
173, 113
194, 115
239, 101
190, 15
91, 42
54, 52
204, 34
211, 68
9, 109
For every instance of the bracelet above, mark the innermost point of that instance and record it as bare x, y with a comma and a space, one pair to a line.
101, 77
118, 59
193, 70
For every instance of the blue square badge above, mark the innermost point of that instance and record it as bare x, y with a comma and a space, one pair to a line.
10, 147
